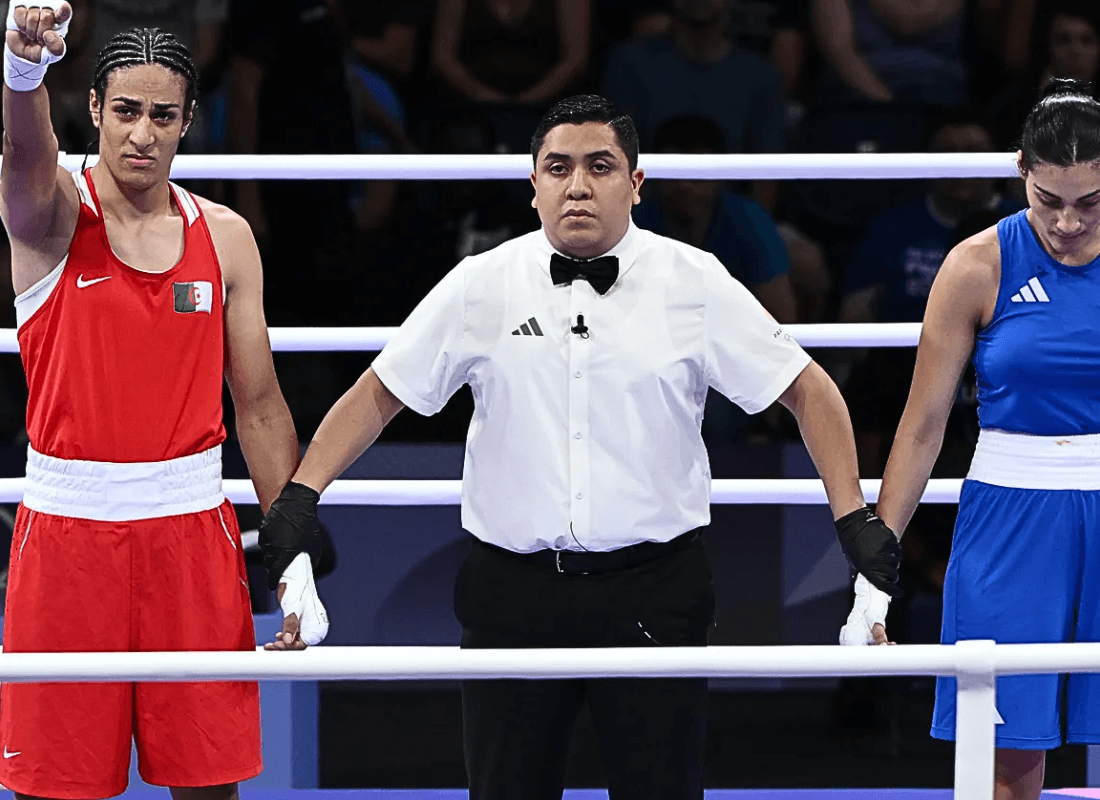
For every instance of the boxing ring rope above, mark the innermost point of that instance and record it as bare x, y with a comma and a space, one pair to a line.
305, 340
764, 166
975, 663
375, 492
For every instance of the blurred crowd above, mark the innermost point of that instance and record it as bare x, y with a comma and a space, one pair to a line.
698, 76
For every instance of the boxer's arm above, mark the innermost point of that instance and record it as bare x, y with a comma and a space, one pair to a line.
962, 298
38, 200
264, 425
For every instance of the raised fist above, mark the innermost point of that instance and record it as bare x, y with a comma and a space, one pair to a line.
37, 24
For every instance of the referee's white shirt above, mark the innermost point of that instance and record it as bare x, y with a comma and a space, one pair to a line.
588, 443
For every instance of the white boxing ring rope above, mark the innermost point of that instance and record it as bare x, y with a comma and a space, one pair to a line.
975, 663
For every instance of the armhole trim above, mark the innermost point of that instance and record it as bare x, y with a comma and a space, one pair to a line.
28, 303
85, 192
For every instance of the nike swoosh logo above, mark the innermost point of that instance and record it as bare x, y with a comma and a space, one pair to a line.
11, 755
83, 284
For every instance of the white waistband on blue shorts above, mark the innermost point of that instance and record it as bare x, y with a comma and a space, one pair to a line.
113, 492
1022, 461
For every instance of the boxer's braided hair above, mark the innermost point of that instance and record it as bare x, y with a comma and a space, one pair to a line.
139, 46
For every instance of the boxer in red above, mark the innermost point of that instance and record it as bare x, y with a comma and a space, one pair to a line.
134, 299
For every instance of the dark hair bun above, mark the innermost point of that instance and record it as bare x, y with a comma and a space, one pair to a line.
1063, 87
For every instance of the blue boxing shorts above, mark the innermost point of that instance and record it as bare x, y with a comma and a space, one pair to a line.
1025, 568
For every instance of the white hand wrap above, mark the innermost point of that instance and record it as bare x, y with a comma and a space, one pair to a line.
301, 598
20, 74
870, 607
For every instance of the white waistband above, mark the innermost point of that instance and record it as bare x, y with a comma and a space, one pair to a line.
1022, 461
113, 492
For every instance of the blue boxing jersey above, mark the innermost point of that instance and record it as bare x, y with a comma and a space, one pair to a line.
1038, 361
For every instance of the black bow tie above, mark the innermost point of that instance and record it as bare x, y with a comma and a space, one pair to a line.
601, 273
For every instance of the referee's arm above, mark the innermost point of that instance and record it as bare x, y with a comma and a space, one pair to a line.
348, 429
826, 428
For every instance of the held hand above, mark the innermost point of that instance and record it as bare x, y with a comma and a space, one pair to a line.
867, 621
872, 549
305, 620
37, 25
878, 635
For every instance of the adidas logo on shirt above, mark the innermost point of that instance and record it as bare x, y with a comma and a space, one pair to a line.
529, 328
1031, 292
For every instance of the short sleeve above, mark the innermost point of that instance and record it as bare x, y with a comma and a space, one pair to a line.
750, 358
424, 363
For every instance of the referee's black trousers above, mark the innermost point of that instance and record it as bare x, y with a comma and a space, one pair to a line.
651, 732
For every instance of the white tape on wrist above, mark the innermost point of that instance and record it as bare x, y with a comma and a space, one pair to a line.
20, 74
869, 608
301, 598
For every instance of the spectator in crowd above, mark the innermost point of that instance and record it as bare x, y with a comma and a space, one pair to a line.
385, 39
615, 21
983, 45
705, 214
1025, 32
789, 45
1070, 49
698, 69
278, 104
894, 265
891, 50
513, 57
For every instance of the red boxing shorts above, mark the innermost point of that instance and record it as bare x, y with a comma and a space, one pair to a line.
168, 583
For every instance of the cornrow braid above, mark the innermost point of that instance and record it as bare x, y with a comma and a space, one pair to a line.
139, 46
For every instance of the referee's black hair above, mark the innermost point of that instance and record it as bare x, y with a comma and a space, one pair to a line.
139, 46
582, 108
1063, 127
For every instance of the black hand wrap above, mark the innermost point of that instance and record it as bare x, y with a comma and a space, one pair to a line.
872, 549
290, 527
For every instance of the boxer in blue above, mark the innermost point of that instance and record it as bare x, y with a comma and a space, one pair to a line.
1024, 298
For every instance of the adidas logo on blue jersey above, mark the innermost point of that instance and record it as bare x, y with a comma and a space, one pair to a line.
1031, 292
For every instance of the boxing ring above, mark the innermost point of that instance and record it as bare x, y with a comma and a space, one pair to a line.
975, 663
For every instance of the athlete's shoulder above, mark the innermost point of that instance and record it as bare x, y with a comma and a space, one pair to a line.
221, 217
234, 243
974, 264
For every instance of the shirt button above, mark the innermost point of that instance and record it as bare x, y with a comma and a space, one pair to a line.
577, 435
580, 495
577, 374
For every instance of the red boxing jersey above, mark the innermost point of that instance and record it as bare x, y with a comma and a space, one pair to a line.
125, 365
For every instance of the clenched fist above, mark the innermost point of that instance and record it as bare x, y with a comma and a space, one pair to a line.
37, 24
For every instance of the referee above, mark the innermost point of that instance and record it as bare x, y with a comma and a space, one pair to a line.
589, 346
